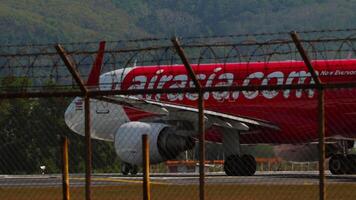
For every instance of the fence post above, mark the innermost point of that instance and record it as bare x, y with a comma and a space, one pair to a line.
88, 150
321, 114
201, 147
201, 126
65, 168
321, 127
146, 168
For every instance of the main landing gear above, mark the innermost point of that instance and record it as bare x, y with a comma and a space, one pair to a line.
236, 164
127, 168
342, 164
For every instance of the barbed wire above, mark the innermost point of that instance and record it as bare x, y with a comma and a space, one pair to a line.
41, 63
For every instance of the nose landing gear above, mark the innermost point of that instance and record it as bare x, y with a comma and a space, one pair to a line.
127, 168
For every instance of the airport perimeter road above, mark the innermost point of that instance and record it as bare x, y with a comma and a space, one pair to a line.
261, 178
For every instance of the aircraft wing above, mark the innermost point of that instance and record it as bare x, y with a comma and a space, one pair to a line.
184, 113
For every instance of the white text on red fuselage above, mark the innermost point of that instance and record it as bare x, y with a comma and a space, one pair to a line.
218, 78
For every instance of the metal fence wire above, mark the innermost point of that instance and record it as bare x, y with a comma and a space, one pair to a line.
251, 116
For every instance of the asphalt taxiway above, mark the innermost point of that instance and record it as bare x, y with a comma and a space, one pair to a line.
260, 178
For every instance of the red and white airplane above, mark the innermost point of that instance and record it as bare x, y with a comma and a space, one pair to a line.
286, 119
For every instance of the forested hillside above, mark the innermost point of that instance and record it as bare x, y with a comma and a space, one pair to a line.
28, 21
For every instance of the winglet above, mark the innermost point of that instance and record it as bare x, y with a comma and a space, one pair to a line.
93, 79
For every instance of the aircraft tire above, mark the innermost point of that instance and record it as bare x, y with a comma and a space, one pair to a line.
232, 165
240, 166
125, 168
351, 162
338, 164
249, 165
134, 170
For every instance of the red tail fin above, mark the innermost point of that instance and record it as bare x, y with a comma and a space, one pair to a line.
93, 79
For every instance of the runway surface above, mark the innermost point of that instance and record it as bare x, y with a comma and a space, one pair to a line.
261, 178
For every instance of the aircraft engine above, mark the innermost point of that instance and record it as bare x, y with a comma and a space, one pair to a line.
163, 142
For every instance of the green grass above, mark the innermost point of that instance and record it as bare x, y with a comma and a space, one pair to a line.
182, 192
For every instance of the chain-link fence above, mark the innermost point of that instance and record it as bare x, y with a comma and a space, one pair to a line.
227, 117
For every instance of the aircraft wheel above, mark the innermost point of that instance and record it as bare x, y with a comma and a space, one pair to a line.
232, 165
125, 168
337, 164
351, 162
249, 165
134, 170
240, 166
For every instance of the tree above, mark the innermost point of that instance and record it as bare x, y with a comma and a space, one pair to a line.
30, 137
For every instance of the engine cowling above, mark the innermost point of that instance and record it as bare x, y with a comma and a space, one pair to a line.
163, 143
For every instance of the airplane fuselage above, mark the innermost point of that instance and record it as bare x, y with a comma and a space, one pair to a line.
294, 111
